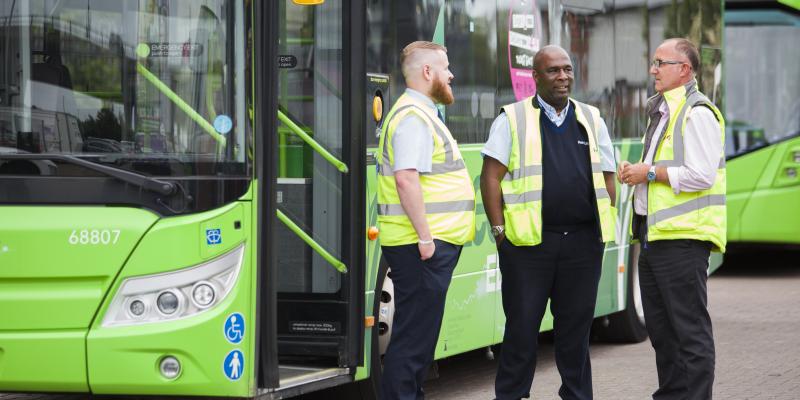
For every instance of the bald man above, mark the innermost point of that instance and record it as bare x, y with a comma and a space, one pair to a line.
426, 212
679, 219
548, 190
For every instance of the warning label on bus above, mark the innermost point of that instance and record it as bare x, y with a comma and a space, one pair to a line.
163, 49
315, 327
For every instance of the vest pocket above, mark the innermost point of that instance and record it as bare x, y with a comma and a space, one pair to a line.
608, 220
524, 224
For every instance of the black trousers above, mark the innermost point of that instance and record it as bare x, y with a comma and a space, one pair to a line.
420, 289
566, 269
673, 276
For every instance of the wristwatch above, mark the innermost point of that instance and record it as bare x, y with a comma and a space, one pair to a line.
498, 230
651, 174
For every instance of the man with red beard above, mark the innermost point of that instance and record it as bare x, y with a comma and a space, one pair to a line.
426, 212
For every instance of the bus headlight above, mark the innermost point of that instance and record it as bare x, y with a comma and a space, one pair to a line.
174, 295
137, 308
203, 294
168, 302
170, 367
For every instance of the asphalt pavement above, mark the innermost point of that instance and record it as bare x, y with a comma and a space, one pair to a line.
754, 301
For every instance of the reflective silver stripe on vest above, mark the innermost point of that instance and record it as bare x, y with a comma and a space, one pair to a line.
436, 168
687, 207
587, 113
430, 208
522, 133
677, 134
443, 168
522, 138
534, 170
526, 197
694, 98
601, 194
386, 167
449, 164
524, 172
677, 141
673, 163
448, 146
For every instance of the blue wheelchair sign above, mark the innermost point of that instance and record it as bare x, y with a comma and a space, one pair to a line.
233, 366
213, 236
234, 328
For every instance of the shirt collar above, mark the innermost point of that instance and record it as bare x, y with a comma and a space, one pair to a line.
663, 108
551, 112
421, 97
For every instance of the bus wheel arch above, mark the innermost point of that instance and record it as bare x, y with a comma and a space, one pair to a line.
627, 325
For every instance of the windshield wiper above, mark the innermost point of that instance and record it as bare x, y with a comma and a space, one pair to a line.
142, 181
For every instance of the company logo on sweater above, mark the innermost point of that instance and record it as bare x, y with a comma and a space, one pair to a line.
583, 142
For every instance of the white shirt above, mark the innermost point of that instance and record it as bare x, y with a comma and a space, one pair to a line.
412, 143
551, 112
702, 152
498, 146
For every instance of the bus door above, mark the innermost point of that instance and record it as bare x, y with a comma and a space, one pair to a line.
313, 269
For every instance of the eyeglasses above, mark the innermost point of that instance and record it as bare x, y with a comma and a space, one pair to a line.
658, 63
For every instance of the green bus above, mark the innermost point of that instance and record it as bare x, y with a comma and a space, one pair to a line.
187, 187
762, 103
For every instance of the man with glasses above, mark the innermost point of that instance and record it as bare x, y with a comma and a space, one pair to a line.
679, 218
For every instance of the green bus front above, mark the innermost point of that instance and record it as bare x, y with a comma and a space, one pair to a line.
147, 242
762, 105
127, 217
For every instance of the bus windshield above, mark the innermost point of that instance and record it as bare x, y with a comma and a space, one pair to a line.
129, 83
762, 100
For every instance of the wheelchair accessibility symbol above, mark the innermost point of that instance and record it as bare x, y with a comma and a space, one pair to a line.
234, 328
233, 366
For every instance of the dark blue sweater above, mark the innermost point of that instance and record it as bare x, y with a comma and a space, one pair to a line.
567, 188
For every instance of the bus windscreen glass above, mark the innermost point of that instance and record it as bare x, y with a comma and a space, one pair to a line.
156, 87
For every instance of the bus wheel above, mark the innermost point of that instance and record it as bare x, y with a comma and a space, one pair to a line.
383, 306
385, 312
626, 326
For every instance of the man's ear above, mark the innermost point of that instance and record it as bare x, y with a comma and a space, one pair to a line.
426, 72
689, 71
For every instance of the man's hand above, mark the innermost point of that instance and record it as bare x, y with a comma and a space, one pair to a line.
499, 239
620, 168
410, 192
492, 174
426, 250
635, 174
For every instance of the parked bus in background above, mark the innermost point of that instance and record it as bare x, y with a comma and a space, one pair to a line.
187, 187
762, 108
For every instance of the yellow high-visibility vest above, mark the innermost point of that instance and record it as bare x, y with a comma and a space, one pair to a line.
522, 185
686, 215
447, 190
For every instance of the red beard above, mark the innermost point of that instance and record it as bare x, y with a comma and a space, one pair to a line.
441, 93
